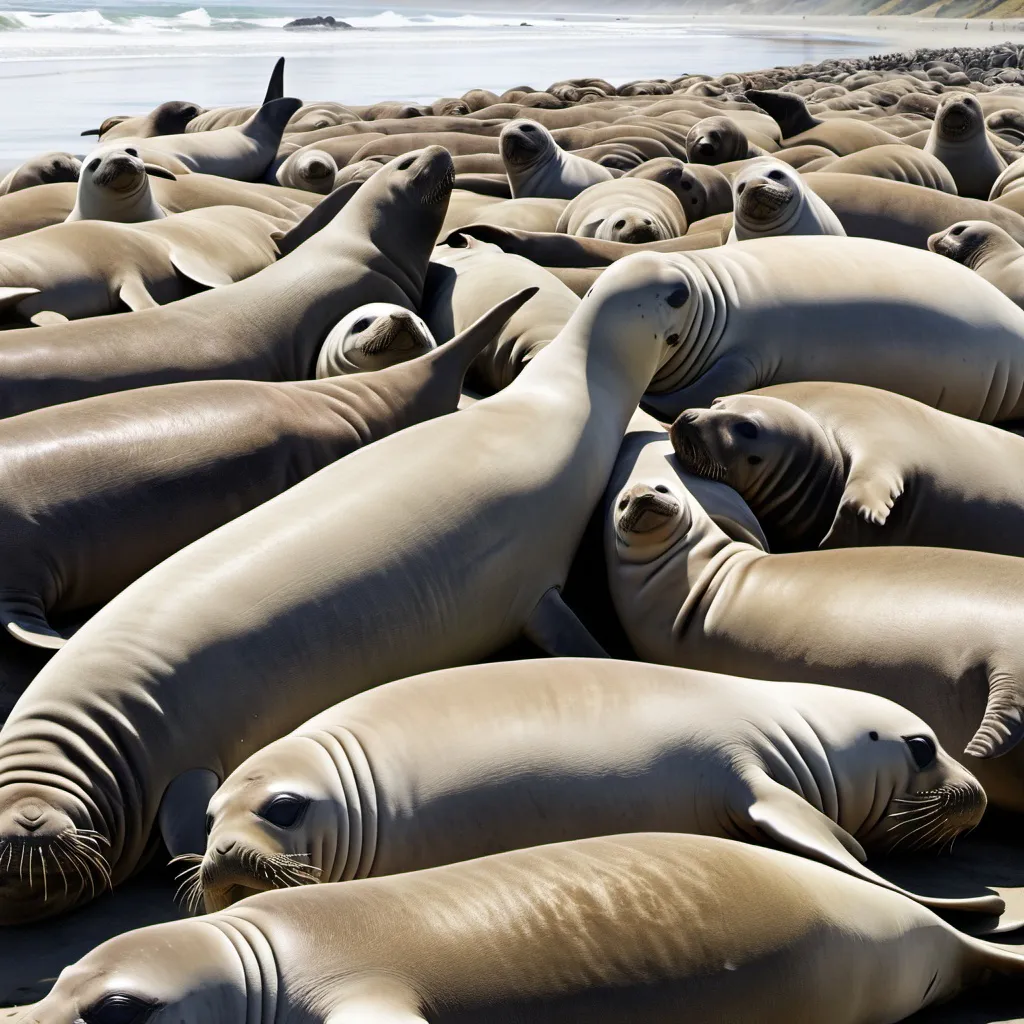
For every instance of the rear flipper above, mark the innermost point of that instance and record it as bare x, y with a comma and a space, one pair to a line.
25, 619
1002, 728
182, 814
785, 819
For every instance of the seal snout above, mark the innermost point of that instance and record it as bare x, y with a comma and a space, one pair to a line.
521, 142
644, 508
233, 870
761, 198
692, 449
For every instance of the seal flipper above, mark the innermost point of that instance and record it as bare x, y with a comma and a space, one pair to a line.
870, 494
25, 620
554, 628
275, 87
787, 820
12, 296
199, 269
135, 295
47, 318
1002, 728
318, 217
182, 815
731, 375
156, 171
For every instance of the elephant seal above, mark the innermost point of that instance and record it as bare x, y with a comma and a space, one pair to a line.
41, 170
495, 536
936, 630
450, 762
717, 140
793, 308
114, 185
170, 118
960, 139
538, 167
840, 465
372, 337
624, 210
650, 927
770, 198
311, 170
986, 249
244, 152
787, 109
463, 281
701, 189
91, 267
90, 484
897, 163
375, 249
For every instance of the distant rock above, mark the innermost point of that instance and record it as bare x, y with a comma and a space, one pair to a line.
318, 22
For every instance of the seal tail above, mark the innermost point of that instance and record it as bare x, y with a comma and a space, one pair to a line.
318, 218
268, 123
1002, 728
453, 358
275, 87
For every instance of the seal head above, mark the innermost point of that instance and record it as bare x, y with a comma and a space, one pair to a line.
114, 185
971, 242
372, 337
959, 118
524, 144
716, 140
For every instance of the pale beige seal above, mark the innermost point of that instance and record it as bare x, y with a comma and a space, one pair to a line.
717, 140
897, 162
936, 630
113, 184
791, 308
472, 761
537, 166
986, 249
41, 170
372, 337
624, 210
341, 583
652, 927
960, 139
838, 465
770, 198
269, 326
97, 492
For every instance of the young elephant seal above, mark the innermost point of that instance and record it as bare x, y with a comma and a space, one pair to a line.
717, 140
42, 170
936, 630
630, 210
114, 185
538, 167
770, 198
371, 337
494, 502
648, 927
959, 138
448, 766
842, 465
986, 249
792, 308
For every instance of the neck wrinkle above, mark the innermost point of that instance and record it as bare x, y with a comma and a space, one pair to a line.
721, 552
259, 965
355, 855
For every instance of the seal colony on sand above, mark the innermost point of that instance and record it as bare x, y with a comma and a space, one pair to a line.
326, 493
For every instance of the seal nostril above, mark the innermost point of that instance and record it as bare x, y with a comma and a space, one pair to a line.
225, 846
672, 340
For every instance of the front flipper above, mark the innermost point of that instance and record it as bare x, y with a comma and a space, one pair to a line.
872, 489
182, 815
785, 819
12, 296
134, 294
731, 375
1002, 728
199, 269
554, 628
47, 318
25, 620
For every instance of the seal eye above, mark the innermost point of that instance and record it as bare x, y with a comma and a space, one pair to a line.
922, 749
687, 185
93, 164
132, 152
661, 488
527, 128
360, 325
118, 1009
740, 187
284, 811
407, 163
754, 460
873, 735
746, 429
678, 297
775, 175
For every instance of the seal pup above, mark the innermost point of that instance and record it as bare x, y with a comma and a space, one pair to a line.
702, 190
792, 308
41, 170
494, 501
114, 185
538, 167
89, 485
268, 327
372, 337
312, 170
840, 465
986, 249
770, 198
934, 629
244, 152
960, 139
91, 267
462, 281
717, 140
650, 926
472, 761
624, 210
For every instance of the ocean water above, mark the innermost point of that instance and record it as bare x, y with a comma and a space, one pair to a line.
65, 66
